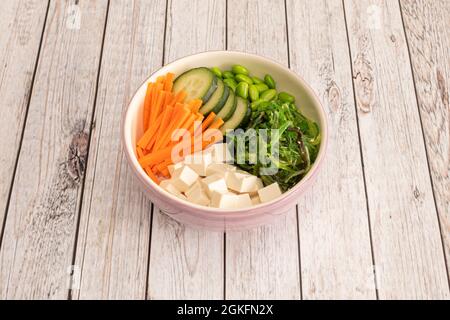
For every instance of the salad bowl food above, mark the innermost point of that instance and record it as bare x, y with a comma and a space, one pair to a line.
219, 91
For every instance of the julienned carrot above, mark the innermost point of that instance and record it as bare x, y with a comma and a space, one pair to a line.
149, 133
164, 123
152, 175
156, 157
156, 94
160, 80
209, 119
168, 82
178, 98
157, 107
181, 114
139, 152
147, 105
194, 105
168, 99
197, 124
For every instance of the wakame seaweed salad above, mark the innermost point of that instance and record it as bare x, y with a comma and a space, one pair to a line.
291, 150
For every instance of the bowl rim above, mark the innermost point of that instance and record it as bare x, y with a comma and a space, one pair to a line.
222, 212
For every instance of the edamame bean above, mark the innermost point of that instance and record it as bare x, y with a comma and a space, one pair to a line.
268, 94
242, 89
243, 77
238, 69
286, 97
217, 72
258, 103
230, 83
228, 75
262, 87
257, 80
253, 92
269, 81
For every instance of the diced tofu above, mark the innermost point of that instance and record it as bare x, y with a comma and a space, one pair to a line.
241, 182
221, 153
220, 168
214, 183
169, 187
255, 199
197, 195
258, 185
199, 161
183, 178
230, 201
174, 167
269, 193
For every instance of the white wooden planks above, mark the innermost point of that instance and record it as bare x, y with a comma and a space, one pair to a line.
335, 249
427, 31
21, 26
406, 240
186, 263
262, 263
114, 235
36, 252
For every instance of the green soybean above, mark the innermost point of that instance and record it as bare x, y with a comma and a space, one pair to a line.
253, 92
269, 81
244, 78
257, 80
230, 83
242, 89
217, 72
228, 75
286, 97
268, 94
260, 102
238, 69
262, 87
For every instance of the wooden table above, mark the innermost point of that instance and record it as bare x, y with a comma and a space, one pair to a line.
76, 225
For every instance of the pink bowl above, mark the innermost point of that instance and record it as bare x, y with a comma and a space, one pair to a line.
213, 218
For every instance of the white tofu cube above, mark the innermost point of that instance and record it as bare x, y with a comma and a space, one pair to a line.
221, 153
169, 187
197, 195
241, 183
199, 162
183, 178
173, 167
219, 168
258, 185
230, 201
269, 193
214, 183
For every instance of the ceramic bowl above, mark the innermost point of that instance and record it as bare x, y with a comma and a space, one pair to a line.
213, 218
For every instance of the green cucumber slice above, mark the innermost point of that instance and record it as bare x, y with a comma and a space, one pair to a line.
217, 100
199, 83
239, 117
229, 107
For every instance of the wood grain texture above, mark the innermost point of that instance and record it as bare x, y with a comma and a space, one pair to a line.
334, 234
21, 25
262, 263
186, 263
114, 236
36, 252
407, 246
428, 34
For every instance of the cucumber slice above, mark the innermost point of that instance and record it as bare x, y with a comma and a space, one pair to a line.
217, 100
239, 117
229, 107
199, 83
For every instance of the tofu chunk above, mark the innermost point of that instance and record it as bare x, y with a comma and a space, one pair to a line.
258, 185
214, 183
199, 162
241, 183
197, 195
255, 199
183, 178
230, 201
220, 168
169, 187
174, 167
269, 193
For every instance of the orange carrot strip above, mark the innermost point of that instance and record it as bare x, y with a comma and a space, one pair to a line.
152, 175
197, 124
181, 114
156, 157
158, 105
147, 105
168, 99
164, 123
156, 95
194, 105
209, 119
165, 172
179, 98
139, 152
168, 82
146, 138
160, 80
